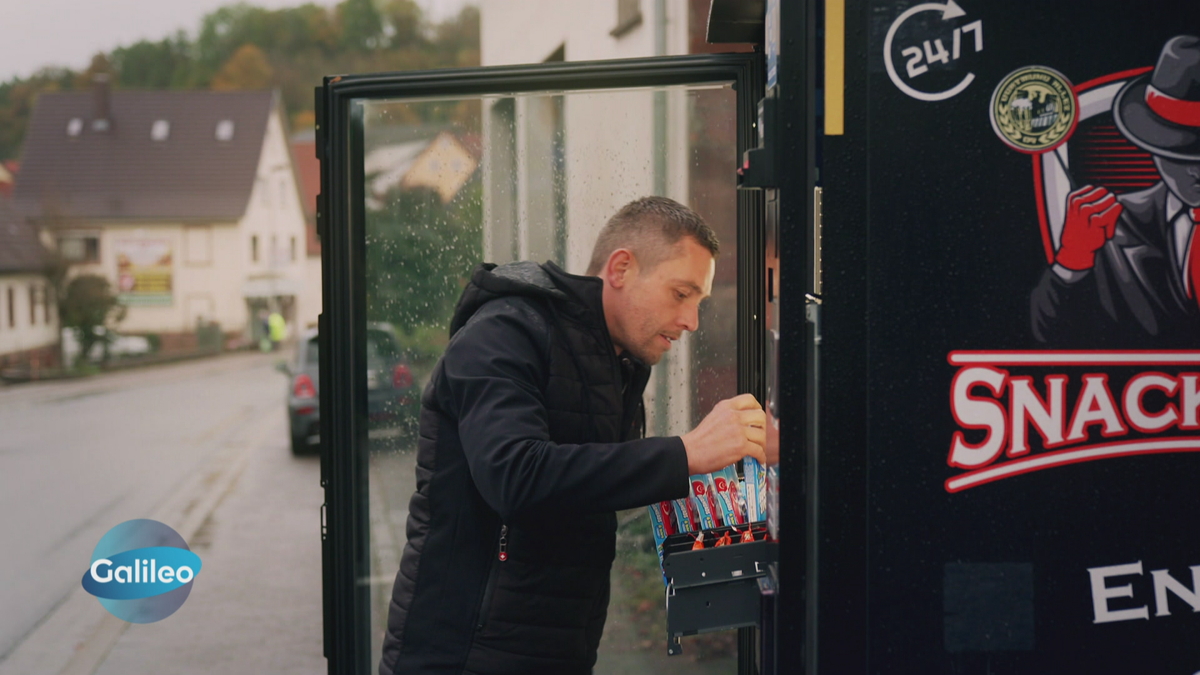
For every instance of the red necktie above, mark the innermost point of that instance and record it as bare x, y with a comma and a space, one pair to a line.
1194, 257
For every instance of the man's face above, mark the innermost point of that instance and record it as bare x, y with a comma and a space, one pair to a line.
1182, 178
652, 308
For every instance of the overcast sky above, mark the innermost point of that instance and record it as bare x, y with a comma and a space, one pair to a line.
37, 33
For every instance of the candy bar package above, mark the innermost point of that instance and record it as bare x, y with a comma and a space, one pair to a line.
742, 501
756, 490
737, 493
725, 482
684, 521
661, 523
772, 501
703, 502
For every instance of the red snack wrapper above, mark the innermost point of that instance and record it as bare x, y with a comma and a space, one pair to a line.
726, 484
703, 502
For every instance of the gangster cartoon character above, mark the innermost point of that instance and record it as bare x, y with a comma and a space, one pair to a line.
1127, 272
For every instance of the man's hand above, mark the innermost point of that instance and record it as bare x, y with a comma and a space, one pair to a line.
1091, 221
733, 430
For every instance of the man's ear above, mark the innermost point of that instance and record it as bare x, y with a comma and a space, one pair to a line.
621, 267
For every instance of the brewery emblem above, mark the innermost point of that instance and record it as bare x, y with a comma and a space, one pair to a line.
1034, 109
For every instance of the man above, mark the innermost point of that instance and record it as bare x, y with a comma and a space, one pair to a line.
1127, 270
529, 442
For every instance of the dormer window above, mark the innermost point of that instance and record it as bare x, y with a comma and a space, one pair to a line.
100, 124
74, 126
160, 130
225, 130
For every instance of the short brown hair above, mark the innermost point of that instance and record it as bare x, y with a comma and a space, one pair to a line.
651, 227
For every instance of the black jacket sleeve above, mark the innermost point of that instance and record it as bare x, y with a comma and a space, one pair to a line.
492, 375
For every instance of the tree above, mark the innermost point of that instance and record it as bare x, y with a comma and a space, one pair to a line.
404, 24
295, 46
420, 253
457, 40
87, 306
246, 69
99, 66
362, 27
166, 64
17, 98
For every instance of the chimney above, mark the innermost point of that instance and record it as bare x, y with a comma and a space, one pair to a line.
101, 120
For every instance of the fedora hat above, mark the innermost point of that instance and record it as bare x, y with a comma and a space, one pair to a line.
1160, 111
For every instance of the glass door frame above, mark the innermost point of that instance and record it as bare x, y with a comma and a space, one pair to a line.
340, 225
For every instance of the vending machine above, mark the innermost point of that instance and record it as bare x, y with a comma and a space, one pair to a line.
963, 288
1006, 399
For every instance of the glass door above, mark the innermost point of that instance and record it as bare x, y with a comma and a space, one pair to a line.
427, 174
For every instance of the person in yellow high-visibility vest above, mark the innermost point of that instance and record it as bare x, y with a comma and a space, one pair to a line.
278, 329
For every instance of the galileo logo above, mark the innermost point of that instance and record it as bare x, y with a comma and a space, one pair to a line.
141, 571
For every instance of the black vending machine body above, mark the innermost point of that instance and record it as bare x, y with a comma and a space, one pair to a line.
1002, 474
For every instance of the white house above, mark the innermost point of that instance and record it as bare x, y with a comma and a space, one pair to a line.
28, 318
187, 201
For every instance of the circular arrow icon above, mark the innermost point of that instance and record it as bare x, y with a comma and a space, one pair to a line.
949, 10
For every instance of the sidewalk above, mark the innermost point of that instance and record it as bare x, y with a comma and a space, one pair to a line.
256, 608
35, 392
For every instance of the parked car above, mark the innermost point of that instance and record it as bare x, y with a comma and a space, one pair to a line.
393, 397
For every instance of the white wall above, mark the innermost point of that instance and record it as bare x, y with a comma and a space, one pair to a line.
204, 278
529, 31
275, 213
609, 146
609, 135
310, 309
25, 335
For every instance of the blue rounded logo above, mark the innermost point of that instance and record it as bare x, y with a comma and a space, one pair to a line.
141, 571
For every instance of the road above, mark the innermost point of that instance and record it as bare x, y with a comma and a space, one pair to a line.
201, 446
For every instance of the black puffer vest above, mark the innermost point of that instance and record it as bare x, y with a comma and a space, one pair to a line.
527, 447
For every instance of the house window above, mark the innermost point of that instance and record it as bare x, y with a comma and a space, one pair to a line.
74, 126
254, 248
225, 130
160, 130
32, 305
12, 308
80, 249
293, 249
47, 295
629, 16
